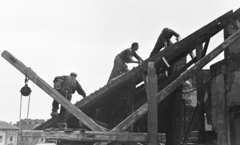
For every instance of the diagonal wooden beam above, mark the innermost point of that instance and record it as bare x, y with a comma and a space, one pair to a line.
172, 86
234, 23
51, 92
205, 47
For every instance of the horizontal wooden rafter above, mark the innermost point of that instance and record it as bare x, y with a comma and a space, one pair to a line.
92, 136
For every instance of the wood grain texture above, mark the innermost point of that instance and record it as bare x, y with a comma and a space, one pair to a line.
93, 136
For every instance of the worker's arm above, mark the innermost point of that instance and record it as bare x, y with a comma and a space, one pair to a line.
129, 56
175, 34
80, 90
140, 60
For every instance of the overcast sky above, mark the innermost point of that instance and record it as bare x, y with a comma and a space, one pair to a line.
58, 37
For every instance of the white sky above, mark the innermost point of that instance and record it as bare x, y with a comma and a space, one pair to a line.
58, 37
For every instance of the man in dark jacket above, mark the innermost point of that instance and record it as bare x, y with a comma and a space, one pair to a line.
164, 40
121, 60
66, 86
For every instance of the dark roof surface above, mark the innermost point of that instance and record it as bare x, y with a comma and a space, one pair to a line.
4, 125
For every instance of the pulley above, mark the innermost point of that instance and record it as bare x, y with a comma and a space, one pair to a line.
25, 91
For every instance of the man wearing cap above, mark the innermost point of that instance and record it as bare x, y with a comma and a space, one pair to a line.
66, 86
164, 40
121, 60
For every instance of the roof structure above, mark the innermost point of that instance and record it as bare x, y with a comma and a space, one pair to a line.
122, 103
6, 126
173, 54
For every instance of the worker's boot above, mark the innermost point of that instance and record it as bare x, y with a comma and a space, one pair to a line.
62, 125
54, 113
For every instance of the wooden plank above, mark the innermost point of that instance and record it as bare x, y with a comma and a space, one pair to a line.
177, 104
92, 136
200, 98
192, 55
144, 76
234, 23
190, 127
171, 87
184, 44
130, 102
205, 47
153, 105
51, 92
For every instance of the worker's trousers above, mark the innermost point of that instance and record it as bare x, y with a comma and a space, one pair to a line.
118, 68
63, 111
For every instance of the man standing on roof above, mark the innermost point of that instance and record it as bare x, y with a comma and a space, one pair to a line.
66, 86
164, 40
121, 60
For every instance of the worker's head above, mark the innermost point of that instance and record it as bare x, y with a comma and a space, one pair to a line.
73, 74
135, 46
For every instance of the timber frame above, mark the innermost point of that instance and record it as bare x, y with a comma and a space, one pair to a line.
156, 91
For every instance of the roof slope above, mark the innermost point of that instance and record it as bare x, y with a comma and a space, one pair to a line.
175, 52
6, 126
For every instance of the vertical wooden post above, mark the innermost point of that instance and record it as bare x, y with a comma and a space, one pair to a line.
200, 98
175, 109
130, 102
152, 105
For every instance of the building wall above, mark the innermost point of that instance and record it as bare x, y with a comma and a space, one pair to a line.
218, 108
28, 124
225, 94
9, 137
2, 137
12, 136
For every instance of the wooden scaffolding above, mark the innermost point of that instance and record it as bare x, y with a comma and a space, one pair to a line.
100, 111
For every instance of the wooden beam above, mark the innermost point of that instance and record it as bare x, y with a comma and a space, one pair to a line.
234, 23
170, 53
190, 127
130, 102
192, 55
92, 136
153, 105
183, 77
144, 76
51, 92
205, 47
200, 97
177, 104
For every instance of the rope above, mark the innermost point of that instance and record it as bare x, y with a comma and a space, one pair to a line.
26, 79
20, 114
28, 106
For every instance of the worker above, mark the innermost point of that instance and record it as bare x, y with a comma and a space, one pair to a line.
121, 60
66, 86
164, 40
